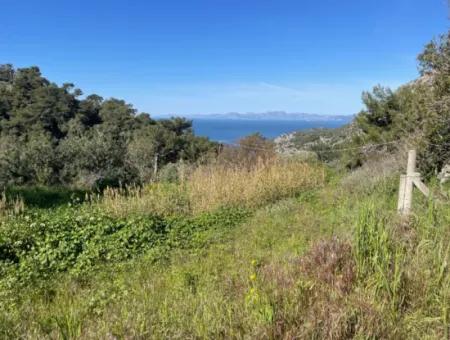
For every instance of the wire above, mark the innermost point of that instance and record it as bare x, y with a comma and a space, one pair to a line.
442, 144
248, 147
366, 146
330, 150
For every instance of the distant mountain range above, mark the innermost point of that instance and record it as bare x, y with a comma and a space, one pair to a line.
275, 115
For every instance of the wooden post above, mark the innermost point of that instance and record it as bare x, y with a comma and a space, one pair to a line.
401, 193
411, 167
407, 183
410, 172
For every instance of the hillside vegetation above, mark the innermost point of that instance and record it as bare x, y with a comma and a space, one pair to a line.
308, 258
220, 242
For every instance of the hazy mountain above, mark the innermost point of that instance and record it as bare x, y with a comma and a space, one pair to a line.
278, 115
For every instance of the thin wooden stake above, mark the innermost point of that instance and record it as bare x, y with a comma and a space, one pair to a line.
421, 186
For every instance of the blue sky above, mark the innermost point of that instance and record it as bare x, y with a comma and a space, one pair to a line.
210, 56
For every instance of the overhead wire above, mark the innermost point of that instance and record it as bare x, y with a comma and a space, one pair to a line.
366, 146
329, 150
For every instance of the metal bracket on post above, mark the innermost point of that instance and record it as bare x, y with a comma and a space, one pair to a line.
407, 183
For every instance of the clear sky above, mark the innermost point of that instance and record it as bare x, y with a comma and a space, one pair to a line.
213, 56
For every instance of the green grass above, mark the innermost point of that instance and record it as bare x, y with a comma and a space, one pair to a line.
326, 263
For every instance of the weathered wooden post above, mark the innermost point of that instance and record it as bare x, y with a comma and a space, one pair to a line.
407, 183
410, 170
401, 193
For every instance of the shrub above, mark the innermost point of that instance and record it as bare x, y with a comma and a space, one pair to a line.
169, 173
249, 151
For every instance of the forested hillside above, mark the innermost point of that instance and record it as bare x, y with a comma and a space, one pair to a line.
51, 134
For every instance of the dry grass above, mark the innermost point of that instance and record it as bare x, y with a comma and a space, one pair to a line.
216, 185
331, 262
10, 206
374, 171
157, 198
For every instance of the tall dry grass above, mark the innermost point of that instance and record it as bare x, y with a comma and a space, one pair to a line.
10, 206
209, 187
216, 185
157, 198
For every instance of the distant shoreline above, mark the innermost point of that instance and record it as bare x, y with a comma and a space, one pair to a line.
268, 116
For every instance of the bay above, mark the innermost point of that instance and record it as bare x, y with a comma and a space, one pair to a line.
231, 130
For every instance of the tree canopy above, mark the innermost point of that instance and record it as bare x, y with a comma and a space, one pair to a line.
417, 112
50, 134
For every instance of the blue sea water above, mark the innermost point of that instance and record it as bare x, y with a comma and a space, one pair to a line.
231, 130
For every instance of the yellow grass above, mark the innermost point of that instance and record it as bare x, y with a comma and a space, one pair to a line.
216, 185
157, 198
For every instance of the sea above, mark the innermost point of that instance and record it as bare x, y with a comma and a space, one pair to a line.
229, 130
